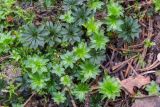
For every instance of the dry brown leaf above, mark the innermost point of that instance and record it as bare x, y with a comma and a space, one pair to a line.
129, 83
147, 102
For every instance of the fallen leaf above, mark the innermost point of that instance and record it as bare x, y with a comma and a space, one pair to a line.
147, 102
129, 83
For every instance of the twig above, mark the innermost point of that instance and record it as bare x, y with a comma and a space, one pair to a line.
133, 70
72, 100
154, 65
150, 31
128, 68
136, 46
148, 72
27, 101
126, 50
142, 97
122, 64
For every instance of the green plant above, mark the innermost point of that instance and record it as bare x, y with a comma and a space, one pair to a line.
15, 55
80, 91
6, 40
59, 97
58, 70
39, 75
82, 51
37, 64
98, 56
66, 80
5, 8
17, 105
62, 48
157, 5
2, 84
81, 15
98, 40
11, 89
92, 26
148, 43
130, 29
54, 37
33, 36
71, 33
70, 4
39, 81
95, 4
68, 60
114, 9
67, 17
48, 3
110, 87
153, 88
88, 70
113, 23
9, 10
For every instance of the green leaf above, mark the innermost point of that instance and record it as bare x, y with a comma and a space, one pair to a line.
82, 51
113, 23
68, 60
70, 4
36, 63
49, 3
80, 91
153, 88
114, 9
15, 55
39, 81
2, 84
67, 17
148, 43
98, 40
66, 80
17, 105
82, 14
95, 4
92, 26
130, 29
59, 97
89, 70
54, 37
6, 40
58, 70
98, 56
110, 87
157, 5
33, 36
71, 33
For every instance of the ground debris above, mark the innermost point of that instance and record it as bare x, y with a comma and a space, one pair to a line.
129, 83
11, 72
147, 102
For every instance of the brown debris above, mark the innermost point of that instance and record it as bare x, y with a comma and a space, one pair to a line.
147, 102
11, 72
129, 83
